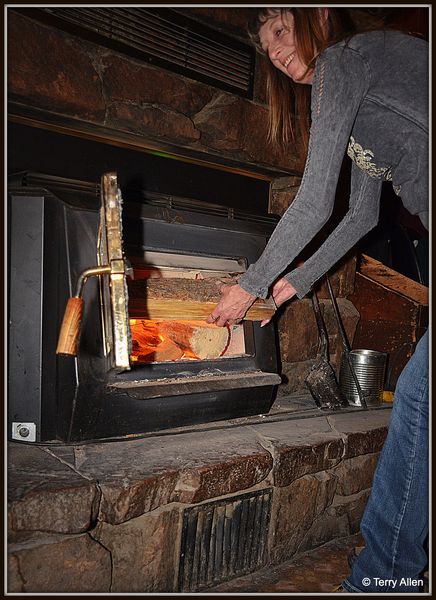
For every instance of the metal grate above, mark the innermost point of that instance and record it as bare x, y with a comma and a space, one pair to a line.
166, 38
224, 539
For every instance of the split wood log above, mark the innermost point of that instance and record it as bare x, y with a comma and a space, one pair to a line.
184, 299
167, 350
145, 334
204, 341
171, 340
149, 346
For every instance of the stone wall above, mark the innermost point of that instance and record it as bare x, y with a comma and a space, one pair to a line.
52, 70
107, 517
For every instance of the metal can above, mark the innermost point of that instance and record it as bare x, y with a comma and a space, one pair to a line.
369, 367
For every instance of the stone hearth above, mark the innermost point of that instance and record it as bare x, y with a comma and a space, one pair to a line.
107, 516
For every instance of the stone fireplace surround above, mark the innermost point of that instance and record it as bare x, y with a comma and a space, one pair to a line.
106, 517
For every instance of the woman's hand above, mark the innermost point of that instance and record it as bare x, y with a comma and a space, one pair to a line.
281, 291
232, 307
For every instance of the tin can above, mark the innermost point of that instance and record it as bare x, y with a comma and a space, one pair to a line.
369, 367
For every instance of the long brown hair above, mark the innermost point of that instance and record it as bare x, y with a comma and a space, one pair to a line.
289, 103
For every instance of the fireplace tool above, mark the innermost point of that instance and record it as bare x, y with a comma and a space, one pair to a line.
112, 268
321, 379
346, 345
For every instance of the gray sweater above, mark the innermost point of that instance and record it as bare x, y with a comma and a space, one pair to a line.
369, 99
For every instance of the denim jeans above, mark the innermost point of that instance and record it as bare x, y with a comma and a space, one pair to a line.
395, 522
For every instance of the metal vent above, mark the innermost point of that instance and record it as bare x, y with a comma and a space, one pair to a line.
166, 38
224, 539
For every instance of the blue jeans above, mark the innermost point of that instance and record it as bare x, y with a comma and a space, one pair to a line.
395, 523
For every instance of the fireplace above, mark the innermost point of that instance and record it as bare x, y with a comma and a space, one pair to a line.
180, 371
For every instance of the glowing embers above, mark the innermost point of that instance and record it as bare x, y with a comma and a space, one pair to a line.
161, 341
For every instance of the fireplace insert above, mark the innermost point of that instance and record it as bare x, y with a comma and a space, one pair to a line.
179, 371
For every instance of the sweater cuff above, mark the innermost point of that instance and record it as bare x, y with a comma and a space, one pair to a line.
299, 282
248, 283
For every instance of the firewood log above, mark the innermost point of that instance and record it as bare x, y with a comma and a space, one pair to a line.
167, 350
144, 334
184, 299
204, 341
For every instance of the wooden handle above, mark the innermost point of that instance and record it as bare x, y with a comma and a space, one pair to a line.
70, 328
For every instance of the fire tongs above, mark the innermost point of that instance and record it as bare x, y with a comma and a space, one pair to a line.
112, 270
321, 379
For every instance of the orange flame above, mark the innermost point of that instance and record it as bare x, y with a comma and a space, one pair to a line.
150, 344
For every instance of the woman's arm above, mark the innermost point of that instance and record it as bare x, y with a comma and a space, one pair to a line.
362, 216
340, 83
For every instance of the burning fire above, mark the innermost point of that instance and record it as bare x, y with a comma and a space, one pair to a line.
159, 341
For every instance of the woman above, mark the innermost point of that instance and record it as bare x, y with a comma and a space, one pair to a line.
369, 98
